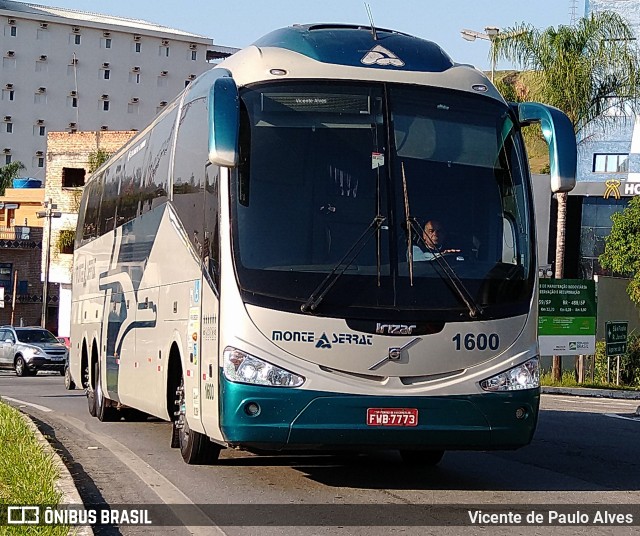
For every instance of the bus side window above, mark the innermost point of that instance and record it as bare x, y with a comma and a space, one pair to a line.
189, 176
211, 246
155, 170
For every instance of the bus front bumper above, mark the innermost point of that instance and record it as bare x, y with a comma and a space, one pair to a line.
288, 419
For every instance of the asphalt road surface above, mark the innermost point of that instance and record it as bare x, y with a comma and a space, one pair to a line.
585, 452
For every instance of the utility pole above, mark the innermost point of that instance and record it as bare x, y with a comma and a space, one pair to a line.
48, 214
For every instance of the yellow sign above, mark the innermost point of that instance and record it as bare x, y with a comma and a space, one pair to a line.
613, 188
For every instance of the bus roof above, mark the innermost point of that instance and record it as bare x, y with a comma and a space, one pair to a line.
348, 45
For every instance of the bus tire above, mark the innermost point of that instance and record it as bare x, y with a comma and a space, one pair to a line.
91, 393
422, 457
195, 448
104, 411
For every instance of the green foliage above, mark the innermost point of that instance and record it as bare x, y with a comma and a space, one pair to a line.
629, 369
27, 473
66, 239
8, 173
97, 158
629, 363
622, 247
585, 70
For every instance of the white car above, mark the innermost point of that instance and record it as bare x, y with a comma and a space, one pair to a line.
30, 349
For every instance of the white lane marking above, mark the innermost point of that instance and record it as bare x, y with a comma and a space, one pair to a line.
158, 483
23, 403
616, 416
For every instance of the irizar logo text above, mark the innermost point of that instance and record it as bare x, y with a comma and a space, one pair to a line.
394, 329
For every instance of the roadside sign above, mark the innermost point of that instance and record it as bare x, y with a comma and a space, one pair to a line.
567, 317
615, 337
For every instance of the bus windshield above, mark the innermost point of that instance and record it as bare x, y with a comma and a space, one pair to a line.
321, 162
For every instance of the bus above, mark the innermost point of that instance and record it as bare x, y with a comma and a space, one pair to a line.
251, 267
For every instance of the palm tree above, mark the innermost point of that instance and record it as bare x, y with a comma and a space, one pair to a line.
590, 71
8, 173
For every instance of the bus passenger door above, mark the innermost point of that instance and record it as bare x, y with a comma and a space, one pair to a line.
209, 351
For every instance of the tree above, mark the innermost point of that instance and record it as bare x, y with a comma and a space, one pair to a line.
622, 247
589, 71
8, 173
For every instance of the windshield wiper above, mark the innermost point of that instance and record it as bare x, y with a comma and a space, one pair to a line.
327, 283
450, 276
407, 222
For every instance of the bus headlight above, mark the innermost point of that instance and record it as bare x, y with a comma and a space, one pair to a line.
239, 366
524, 376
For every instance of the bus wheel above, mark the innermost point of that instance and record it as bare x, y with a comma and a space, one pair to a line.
422, 457
104, 411
196, 448
91, 393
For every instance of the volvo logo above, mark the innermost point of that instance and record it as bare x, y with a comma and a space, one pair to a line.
395, 353
394, 329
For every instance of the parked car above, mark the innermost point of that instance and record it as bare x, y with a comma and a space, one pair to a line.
30, 349
69, 384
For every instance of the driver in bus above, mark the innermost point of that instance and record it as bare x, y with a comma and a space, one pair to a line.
434, 236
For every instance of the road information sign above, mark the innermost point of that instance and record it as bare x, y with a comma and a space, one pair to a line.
567, 317
615, 337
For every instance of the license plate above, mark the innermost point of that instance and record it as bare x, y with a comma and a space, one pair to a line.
392, 417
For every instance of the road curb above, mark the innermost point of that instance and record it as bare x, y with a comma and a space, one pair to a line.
593, 393
65, 483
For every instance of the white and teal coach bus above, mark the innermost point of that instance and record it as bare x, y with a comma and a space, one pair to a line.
252, 266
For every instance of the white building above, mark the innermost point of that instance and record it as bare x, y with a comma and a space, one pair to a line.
66, 70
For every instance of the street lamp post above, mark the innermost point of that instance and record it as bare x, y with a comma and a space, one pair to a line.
48, 213
490, 34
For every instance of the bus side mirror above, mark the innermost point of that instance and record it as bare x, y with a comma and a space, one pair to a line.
561, 139
224, 122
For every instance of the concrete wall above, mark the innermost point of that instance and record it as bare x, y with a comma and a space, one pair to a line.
71, 150
614, 304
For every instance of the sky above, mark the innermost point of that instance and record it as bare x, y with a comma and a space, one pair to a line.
239, 23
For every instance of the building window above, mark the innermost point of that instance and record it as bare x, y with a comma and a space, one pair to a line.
72, 177
134, 78
137, 47
611, 163
107, 74
42, 131
107, 42
594, 228
23, 288
41, 161
9, 128
164, 51
7, 159
76, 39
74, 102
105, 106
6, 279
14, 31
194, 55
8, 94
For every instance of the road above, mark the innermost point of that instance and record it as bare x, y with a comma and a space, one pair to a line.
584, 452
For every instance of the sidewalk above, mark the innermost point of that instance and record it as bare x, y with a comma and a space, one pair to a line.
594, 393
65, 483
